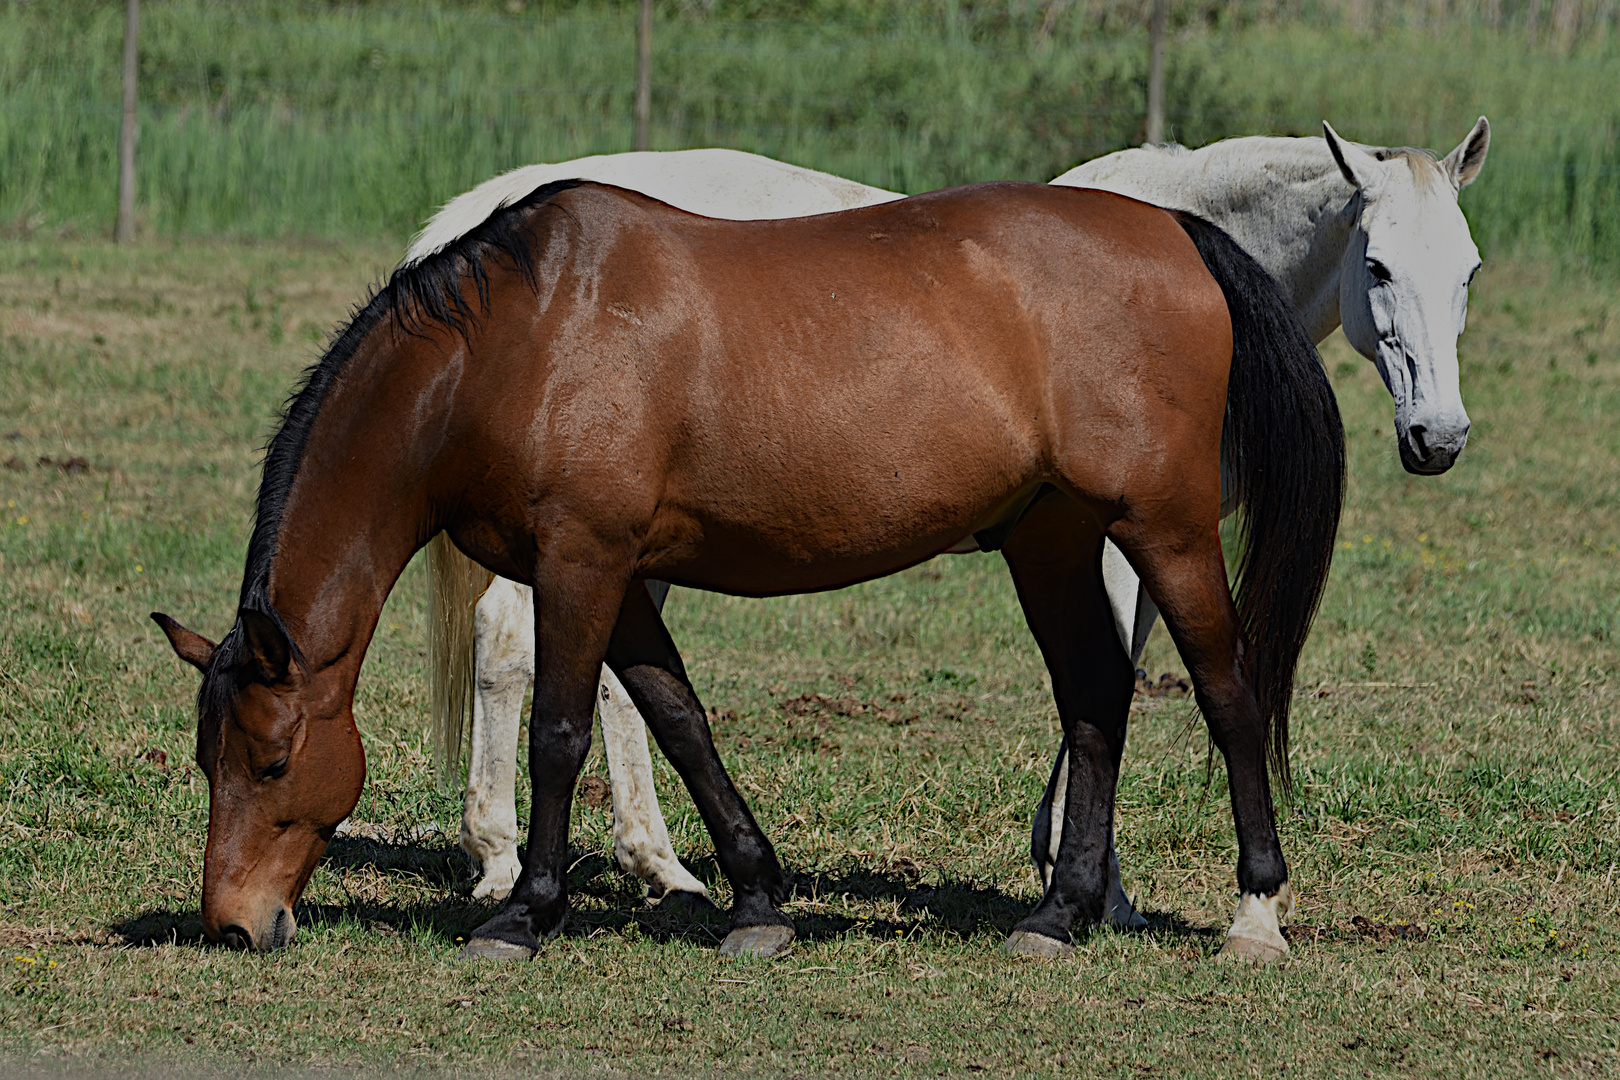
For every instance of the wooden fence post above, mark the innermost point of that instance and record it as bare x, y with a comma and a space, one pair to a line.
1155, 101
125, 230
644, 76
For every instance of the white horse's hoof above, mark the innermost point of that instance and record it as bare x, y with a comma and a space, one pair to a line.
1250, 950
491, 888
497, 881
483, 948
1131, 922
1121, 914
1118, 911
663, 875
1028, 943
760, 942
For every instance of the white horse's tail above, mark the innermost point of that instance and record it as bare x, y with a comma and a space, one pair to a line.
456, 583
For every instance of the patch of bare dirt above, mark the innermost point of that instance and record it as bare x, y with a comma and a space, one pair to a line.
594, 792
73, 465
1359, 928
1383, 933
1168, 686
827, 705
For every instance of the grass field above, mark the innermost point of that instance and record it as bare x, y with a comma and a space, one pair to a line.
1455, 835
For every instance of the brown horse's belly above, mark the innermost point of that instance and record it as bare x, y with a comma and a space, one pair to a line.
746, 570
827, 538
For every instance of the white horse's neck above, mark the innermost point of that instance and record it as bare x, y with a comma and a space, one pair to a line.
1283, 200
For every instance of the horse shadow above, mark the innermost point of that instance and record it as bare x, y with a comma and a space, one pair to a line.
608, 901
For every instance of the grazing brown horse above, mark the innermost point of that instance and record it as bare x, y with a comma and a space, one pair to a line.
593, 389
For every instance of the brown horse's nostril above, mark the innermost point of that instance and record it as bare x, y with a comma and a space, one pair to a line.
235, 937
281, 933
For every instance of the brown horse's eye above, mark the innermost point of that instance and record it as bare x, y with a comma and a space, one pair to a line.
274, 770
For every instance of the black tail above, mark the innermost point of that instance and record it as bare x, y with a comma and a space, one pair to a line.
1283, 449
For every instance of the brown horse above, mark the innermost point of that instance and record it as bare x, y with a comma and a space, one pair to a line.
593, 389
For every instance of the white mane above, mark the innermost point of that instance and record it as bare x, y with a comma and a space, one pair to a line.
714, 183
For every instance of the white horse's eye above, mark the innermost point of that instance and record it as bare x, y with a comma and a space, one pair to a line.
1473, 273
1378, 270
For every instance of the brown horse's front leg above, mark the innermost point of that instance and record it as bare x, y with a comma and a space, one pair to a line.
646, 661
575, 609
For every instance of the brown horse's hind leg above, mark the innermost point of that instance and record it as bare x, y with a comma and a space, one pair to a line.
646, 661
1185, 573
1056, 563
576, 605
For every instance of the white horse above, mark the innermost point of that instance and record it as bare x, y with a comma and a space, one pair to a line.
1368, 238
715, 183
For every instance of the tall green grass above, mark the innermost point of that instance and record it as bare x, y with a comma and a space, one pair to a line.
268, 119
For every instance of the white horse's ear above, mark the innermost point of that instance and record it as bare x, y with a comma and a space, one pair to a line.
1463, 164
1359, 167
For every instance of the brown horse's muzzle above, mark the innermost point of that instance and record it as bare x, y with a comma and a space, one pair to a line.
248, 895
262, 931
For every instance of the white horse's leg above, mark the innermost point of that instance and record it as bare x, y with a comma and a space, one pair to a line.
503, 625
640, 838
1134, 615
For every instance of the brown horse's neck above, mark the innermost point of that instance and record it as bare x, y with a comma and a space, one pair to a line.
358, 505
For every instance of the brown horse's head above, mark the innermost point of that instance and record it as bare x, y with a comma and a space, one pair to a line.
284, 765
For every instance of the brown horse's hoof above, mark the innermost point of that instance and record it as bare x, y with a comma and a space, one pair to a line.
484, 948
1248, 950
762, 942
1028, 943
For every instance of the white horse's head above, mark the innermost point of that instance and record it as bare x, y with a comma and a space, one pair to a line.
1403, 285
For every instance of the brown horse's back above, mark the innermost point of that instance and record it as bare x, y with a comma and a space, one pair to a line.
853, 392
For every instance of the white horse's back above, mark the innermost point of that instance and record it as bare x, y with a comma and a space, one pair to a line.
711, 182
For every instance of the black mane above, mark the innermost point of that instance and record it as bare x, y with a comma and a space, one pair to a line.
428, 293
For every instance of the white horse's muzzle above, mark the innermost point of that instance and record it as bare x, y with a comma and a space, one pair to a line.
1430, 442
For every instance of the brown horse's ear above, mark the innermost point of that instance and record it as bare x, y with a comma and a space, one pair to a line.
267, 645
193, 648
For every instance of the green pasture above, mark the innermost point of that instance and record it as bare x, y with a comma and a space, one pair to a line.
1455, 832
1453, 836
267, 118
